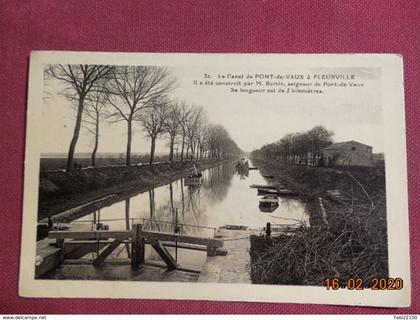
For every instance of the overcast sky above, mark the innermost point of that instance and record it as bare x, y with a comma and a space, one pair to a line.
251, 119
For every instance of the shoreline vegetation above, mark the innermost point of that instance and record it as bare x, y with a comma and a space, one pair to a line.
79, 192
348, 239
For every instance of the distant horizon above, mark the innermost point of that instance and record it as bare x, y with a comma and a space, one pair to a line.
133, 154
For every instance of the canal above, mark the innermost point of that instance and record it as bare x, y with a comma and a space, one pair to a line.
224, 198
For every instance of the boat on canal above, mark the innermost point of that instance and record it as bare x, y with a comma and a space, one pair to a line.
235, 227
264, 191
262, 186
195, 179
269, 203
268, 176
242, 165
276, 192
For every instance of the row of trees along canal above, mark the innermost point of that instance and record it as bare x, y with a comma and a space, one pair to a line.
300, 147
138, 95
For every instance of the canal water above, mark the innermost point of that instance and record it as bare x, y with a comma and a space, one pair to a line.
224, 198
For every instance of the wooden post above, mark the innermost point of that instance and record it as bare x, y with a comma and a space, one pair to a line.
50, 223
268, 230
211, 251
59, 243
137, 247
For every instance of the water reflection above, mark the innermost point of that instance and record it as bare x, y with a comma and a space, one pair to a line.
224, 198
218, 181
243, 173
171, 193
127, 222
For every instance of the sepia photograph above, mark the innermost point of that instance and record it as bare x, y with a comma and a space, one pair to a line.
227, 177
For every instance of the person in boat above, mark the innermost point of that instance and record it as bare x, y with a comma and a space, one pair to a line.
195, 173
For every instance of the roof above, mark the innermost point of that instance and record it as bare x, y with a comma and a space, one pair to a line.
338, 145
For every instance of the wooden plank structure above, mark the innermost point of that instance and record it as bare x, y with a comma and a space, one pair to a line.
75, 244
164, 255
108, 250
262, 186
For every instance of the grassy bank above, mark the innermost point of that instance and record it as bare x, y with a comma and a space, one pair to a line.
59, 163
60, 190
351, 241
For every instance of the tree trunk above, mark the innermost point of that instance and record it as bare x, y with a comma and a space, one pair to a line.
182, 147
76, 132
196, 149
171, 152
193, 149
95, 148
129, 136
152, 149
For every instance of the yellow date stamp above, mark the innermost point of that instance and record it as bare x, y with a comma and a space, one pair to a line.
357, 283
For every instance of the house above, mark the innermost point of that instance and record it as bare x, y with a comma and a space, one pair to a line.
378, 159
348, 153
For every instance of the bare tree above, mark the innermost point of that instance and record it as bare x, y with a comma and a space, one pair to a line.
203, 141
193, 125
132, 89
220, 143
79, 81
95, 112
319, 138
299, 147
153, 121
171, 126
185, 114
201, 133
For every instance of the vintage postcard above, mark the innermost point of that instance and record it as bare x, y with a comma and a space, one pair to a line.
235, 177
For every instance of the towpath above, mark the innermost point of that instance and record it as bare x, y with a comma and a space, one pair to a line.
234, 267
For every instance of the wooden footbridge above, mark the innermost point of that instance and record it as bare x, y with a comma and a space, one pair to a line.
71, 245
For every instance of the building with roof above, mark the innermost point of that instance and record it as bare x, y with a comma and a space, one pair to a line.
348, 153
